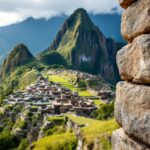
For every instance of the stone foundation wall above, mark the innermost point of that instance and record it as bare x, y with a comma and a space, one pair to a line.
132, 105
82, 145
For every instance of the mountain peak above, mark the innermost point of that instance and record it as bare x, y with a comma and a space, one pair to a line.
78, 22
19, 56
20, 48
81, 15
80, 11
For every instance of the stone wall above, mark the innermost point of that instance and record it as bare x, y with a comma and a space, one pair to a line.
82, 144
132, 105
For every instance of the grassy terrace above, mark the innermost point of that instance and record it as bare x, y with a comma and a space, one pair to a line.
96, 128
66, 83
64, 141
98, 102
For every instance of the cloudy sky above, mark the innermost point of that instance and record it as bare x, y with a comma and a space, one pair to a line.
12, 11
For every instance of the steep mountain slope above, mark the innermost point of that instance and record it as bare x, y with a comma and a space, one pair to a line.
85, 47
38, 33
19, 70
52, 58
19, 56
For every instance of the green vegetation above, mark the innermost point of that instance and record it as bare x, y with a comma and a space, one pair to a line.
57, 125
66, 80
98, 102
7, 141
105, 111
19, 56
64, 141
27, 78
55, 130
52, 58
65, 83
68, 40
18, 79
19, 70
23, 144
72, 42
20, 124
95, 128
58, 120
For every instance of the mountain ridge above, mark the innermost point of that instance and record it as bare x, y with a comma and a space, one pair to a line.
85, 48
80, 45
19, 56
43, 32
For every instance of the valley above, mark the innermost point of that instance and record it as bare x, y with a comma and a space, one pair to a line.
69, 81
62, 98
58, 104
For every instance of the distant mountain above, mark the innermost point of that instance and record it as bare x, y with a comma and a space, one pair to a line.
38, 33
85, 48
19, 56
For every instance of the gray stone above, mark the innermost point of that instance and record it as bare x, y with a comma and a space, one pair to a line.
121, 141
134, 60
132, 110
136, 20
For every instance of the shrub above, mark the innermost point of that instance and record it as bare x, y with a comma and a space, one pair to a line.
7, 141
52, 58
23, 145
104, 112
55, 130
57, 120
20, 124
82, 84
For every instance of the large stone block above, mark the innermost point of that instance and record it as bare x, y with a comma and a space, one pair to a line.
134, 60
126, 3
121, 141
132, 110
136, 20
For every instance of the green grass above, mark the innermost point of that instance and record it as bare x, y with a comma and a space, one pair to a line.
96, 128
64, 141
65, 83
17, 80
57, 126
28, 78
82, 91
58, 120
34, 107
98, 102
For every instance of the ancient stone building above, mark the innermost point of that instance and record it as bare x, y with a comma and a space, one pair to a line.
132, 106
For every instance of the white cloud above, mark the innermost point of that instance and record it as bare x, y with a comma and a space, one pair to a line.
12, 11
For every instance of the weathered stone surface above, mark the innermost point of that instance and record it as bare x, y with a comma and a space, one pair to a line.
134, 60
136, 20
126, 3
121, 141
132, 110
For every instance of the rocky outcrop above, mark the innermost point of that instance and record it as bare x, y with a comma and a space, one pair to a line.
133, 60
132, 110
136, 20
82, 144
122, 141
132, 105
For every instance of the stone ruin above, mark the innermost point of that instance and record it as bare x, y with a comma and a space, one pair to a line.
132, 106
